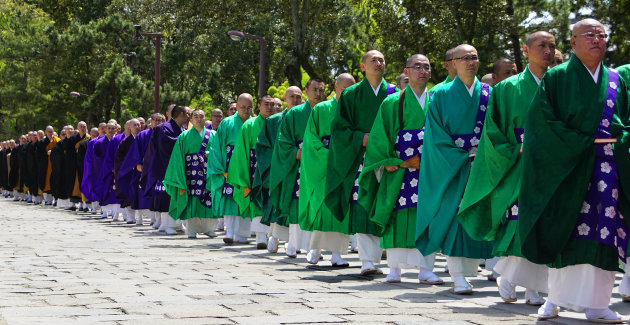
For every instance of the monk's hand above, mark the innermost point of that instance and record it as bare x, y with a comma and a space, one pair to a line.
49, 152
298, 156
413, 162
365, 138
139, 167
181, 191
246, 191
224, 174
391, 168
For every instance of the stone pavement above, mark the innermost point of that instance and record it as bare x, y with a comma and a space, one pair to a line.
60, 267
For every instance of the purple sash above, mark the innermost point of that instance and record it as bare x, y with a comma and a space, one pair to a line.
409, 144
355, 187
196, 165
159, 187
390, 89
512, 212
228, 190
326, 141
469, 142
296, 188
252, 165
600, 218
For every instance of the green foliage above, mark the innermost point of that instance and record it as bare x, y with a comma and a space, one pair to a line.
50, 48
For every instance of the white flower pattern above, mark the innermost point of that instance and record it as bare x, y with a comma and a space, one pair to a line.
407, 136
414, 198
621, 234
413, 182
514, 210
605, 167
608, 150
583, 229
601, 186
459, 142
603, 233
610, 212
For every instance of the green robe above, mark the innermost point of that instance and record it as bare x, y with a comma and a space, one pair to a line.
496, 174
396, 227
354, 117
227, 133
239, 171
314, 214
285, 166
264, 150
444, 82
444, 172
624, 72
184, 206
558, 160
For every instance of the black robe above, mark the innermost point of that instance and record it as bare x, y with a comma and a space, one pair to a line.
70, 164
56, 175
121, 153
14, 173
81, 150
4, 170
42, 162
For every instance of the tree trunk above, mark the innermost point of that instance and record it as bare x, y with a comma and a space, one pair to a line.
513, 35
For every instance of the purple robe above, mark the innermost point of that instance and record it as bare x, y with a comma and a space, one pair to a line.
156, 158
106, 186
91, 168
128, 177
119, 157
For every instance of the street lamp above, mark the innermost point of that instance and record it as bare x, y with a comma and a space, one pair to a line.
77, 94
237, 36
158, 46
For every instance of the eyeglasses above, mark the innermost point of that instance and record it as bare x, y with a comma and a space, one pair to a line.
591, 36
468, 58
425, 67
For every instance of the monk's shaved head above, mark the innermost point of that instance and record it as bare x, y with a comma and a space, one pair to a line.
369, 54
345, 77
463, 48
531, 38
583, 24
415, 57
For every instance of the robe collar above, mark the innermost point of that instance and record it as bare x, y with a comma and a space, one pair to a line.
594, 75
533, 75
376, 90
422, 98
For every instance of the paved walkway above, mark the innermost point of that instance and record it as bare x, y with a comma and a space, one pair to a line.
61, 267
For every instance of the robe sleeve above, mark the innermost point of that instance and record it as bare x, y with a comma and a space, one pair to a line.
345, 154
443, 176
238, 171
216, 165
175, 179
284, 165
264, 152
486, 198
380, 152
555, 157
313, 164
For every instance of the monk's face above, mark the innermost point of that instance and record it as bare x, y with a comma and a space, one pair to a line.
267, 107
199, 119
467, 62
419, 71
374, 64
316, 92
557, 59
231, 109
293, 97
244, 107
506, 70
541, 52
589, 42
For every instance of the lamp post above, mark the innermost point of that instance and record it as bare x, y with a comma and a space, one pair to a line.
237, 36
158, 47
81, 95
